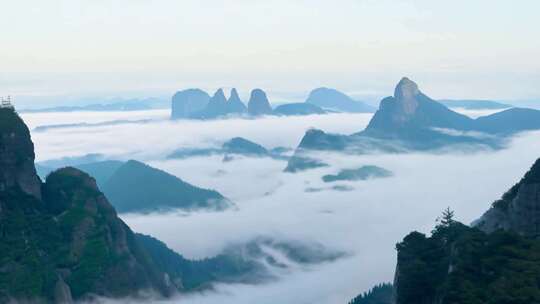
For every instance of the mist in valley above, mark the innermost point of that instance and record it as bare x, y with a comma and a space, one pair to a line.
364, 219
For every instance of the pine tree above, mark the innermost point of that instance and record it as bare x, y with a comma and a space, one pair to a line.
447, 217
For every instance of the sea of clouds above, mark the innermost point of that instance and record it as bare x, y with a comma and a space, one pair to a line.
366, 221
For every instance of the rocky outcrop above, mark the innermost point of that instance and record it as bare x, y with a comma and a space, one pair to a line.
258, 103
17, 155
409, 111
217, 106
519, 208
235, 104
411, 121
188, 102
406, 93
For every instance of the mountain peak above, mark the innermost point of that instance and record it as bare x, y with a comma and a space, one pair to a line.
258, 103
405, 93
219, 96
234, 95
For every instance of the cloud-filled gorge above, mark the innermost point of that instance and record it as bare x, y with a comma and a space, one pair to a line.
366, 221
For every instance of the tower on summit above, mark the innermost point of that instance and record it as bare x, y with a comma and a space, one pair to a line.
6, 103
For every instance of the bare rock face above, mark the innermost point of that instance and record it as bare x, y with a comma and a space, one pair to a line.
405, 94
258, 103
519, 208
410, 113
17, 155
62, 292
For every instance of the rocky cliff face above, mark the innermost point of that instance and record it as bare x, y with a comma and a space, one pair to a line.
519, 208
188, 102
17, 155
61, 240
258, 103
409, 110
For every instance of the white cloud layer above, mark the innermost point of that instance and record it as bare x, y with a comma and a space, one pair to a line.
366, 222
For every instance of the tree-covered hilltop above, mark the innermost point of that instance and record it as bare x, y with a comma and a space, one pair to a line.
460, 264
496, 261
137, 187
380, 294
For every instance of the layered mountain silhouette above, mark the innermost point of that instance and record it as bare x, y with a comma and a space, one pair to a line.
197, 104
133, 186
292, 109
493, 261
137, 187
474, 104
335, 100
410, 120
234, 146
61, 241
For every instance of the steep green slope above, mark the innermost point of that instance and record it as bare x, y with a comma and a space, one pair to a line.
61, 240
136, 187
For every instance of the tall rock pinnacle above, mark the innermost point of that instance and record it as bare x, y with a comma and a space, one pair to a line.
258, 103
235, 104
405, 94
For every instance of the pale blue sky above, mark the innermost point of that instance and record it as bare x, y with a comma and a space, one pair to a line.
476, 49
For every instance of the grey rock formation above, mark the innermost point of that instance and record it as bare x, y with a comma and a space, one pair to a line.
258, 103
217, 106
17, 155
519, 208
405, 94
188, 102
62, 292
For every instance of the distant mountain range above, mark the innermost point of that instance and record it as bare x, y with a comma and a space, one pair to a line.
410, 120
335, 100
124, 105
474, 104
197, 104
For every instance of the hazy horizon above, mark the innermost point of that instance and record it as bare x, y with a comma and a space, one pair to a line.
146, 48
